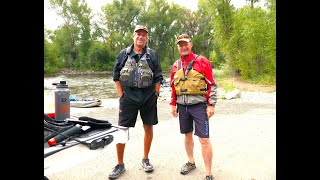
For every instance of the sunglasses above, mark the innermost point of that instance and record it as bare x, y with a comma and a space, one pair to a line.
182, 36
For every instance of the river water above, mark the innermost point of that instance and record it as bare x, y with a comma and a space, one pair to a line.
100, 86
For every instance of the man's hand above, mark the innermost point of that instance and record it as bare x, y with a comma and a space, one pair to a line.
210, 111
174, 112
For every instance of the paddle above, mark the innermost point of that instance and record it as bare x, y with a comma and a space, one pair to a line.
87, 121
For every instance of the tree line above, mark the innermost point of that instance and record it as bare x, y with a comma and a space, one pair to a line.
239, 41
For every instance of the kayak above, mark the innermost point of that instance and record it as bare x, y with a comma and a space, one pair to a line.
84, 103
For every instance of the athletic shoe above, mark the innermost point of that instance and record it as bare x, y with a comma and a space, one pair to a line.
116, 172
147, 166
209, 178
186, 168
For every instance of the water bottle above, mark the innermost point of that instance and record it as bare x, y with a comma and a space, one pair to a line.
62, 101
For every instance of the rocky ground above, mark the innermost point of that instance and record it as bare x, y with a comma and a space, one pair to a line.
243, 136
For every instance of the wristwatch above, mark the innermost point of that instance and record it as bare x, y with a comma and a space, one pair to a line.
157, 93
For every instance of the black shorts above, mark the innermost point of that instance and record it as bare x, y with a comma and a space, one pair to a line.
128, 112
196, 113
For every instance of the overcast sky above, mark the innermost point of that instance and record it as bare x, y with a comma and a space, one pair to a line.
51, 20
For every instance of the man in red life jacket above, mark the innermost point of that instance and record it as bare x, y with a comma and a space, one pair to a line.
194, 96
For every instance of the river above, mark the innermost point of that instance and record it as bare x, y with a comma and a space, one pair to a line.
99, 86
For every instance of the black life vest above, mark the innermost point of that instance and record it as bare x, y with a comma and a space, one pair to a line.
136, 74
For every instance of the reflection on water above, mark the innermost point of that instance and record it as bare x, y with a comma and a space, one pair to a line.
97, 86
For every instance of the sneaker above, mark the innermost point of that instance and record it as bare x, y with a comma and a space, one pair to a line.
187, 168
147, 166
209, 177
117, 170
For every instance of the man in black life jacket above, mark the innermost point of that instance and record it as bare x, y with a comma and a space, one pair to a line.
137, 74
194, 95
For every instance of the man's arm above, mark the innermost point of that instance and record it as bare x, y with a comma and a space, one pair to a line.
119, 88
157, 88
157, 70
118, 65
173, 90
116, 71
173, 102
213, 95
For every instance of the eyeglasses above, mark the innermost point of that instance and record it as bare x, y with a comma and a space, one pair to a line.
182, 36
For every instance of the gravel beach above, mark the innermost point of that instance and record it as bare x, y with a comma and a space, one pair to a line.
243, 135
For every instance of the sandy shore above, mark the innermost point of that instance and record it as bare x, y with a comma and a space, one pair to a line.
243, 136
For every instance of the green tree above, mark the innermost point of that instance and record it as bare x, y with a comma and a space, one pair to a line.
241, 40
220, 26
50, 56
252, 2
119, 18
100, 57
163, 25
74, 35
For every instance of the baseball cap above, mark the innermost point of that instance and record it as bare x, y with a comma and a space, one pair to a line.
138, 27
183, 37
